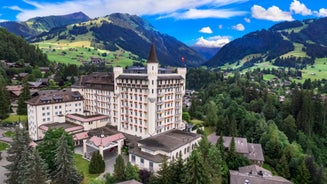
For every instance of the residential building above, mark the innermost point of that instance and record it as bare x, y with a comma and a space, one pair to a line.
50, 108
255, 174
250, 150
149, 152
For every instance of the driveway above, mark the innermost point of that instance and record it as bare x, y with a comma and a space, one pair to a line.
4, 161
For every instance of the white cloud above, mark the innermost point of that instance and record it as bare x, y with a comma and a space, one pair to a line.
185, 9
220, 26
213, 42
239, 27
273, 13
17, 8
247, 20
207, 13
206, 30
321, 13
299, 8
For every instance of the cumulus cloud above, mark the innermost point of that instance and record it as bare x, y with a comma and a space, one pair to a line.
206, 30
300, 8
239, 27
321, 13
247, 20
273, 13
184, 9
213, 42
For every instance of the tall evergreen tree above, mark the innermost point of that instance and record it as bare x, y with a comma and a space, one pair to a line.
4, 99
24, 96
66, 171
48, 147
131, 172
196, 170
119, 169
303, 174
97, 164
216, 165
163, 176
178, 170
21, 140
36, 169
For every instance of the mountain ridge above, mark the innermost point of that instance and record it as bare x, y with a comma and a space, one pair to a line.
299, 39
128, 32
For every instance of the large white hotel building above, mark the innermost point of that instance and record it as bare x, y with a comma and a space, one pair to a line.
142, 101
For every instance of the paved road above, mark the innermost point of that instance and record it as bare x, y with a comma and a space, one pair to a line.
3, 161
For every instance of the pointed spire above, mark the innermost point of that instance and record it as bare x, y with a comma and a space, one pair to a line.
152, 55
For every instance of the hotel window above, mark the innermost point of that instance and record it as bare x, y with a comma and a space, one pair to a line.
43, 108
48, 108
133, 158
142, 161
43, 114
151, 166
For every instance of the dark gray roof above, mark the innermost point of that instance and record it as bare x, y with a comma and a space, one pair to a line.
169, 77
255, 152
140, 77
255, 174
130, 182
147, 156
252, 151
59, 96
168, 141
96, 80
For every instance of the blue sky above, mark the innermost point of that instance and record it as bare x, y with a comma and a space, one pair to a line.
209, 23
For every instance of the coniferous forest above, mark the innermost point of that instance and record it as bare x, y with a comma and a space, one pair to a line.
288, 119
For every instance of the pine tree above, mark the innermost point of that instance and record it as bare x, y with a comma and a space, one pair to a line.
4, 99
24, 96
178, 169
97, 164
119, 169
48, 147
131, 172
36, 169
66, 171
21, 169
303, 174
21, 141
163, 176
196, 170
215, 164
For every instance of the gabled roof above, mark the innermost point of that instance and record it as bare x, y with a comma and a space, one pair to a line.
104, 141
59, 96
168, 141
152, 55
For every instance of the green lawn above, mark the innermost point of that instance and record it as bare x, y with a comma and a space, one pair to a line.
9, 134
209, 130
3, 146
15, 118
268, 77
83, 166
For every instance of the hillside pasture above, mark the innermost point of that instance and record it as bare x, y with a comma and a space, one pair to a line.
79, 51
297, 52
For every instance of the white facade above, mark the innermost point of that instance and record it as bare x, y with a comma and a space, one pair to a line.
151, 159
48, 111
139, 101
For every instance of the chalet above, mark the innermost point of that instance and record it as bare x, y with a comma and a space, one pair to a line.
255, 174
250, 150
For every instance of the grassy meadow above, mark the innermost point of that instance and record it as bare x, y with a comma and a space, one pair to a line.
76, 52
